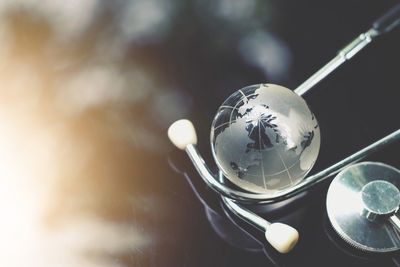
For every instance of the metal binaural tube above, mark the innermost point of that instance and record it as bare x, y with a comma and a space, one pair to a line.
280, 236
384, 24
247, 197
343, 55
395, 221
210, 179
246, 215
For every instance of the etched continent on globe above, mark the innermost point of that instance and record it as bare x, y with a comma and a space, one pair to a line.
264, 138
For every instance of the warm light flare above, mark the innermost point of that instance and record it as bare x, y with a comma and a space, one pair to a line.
30, 163
65, 112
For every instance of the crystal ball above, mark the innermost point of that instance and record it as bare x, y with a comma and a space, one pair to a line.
264, 138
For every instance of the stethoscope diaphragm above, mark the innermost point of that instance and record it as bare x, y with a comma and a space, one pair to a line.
362, 203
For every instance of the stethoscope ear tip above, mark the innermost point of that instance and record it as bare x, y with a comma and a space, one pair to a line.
282, 237
182, 133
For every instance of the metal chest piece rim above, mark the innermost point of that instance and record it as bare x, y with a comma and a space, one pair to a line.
362, 202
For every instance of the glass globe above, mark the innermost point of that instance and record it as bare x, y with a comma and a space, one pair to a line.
264, 138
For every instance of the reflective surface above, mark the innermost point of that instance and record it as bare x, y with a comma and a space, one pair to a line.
350, 194
380, 199
264, 138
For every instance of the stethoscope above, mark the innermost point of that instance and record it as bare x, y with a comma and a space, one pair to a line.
369, 223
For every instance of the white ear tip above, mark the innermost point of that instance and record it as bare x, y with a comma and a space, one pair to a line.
282, 237
182, 133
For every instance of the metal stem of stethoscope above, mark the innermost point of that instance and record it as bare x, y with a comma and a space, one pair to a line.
382, 25
395, 221
247, 197
281, 236
343, 55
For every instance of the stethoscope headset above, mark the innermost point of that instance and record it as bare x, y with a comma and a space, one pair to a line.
362, 200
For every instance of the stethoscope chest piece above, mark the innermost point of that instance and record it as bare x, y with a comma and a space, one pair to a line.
362, 203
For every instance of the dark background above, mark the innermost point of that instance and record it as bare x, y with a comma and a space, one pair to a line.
118, 73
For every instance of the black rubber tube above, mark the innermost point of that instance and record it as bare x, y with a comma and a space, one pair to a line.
388, 21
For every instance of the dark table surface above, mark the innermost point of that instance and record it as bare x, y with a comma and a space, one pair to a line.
115, 74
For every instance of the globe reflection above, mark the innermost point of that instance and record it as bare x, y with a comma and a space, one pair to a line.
264, 138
